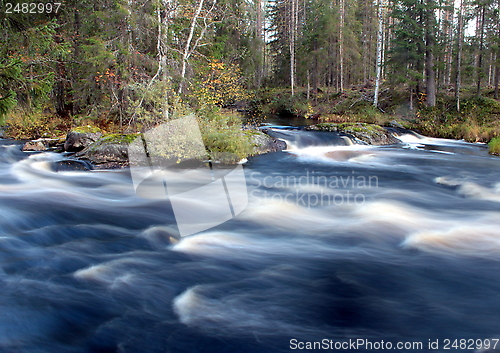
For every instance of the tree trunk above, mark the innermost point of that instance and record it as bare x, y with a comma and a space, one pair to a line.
490, 68
76, 58
187, 47
411, 98
341, 44
458, 75
497, 61
497, 76
293, 31
481, 45
379, 51
259, 29
308, 85
162, 50
386, 38
448, 55
315, 79
430, 73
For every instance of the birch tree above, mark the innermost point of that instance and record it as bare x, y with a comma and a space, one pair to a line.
458, 74
497, 61
380, 34
430, 73
293, 24
187, 48
481, 19
341, 44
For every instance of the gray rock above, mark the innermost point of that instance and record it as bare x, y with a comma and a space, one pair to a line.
395, 124
361, 133
77, 141
110, 150
264, 143
69, 165
40, 145
36, 145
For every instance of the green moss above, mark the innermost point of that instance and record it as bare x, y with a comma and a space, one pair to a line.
87, 129
349, 127
119, 138
251, 132
327, 127
494, 146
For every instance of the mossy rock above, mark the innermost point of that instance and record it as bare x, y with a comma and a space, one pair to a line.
111, 148
120, 138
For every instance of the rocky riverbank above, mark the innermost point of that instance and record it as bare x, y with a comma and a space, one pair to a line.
361, 133
110, 151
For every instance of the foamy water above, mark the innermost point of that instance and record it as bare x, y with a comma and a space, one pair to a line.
338, 242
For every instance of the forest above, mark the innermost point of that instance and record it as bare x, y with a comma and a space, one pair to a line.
128, 65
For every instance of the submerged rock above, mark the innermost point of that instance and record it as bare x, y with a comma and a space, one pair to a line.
362, 133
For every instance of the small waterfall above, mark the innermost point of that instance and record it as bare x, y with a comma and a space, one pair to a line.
299, 139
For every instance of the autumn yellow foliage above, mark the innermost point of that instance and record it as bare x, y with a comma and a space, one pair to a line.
221, 87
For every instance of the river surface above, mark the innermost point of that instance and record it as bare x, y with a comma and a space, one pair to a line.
339, 242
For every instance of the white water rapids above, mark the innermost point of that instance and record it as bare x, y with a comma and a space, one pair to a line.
339, 241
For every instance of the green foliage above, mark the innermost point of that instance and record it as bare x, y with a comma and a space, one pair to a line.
24, 126
9, 72
478, 120
87, 129
407, 54
280, 101
152, 104
224, 139
494, 146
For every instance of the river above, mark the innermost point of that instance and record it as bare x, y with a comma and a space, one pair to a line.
339, 242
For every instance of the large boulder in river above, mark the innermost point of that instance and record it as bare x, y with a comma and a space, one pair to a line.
362, 133
71, 165
109, 151
81, 137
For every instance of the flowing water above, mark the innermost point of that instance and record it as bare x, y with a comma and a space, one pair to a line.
339, 242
